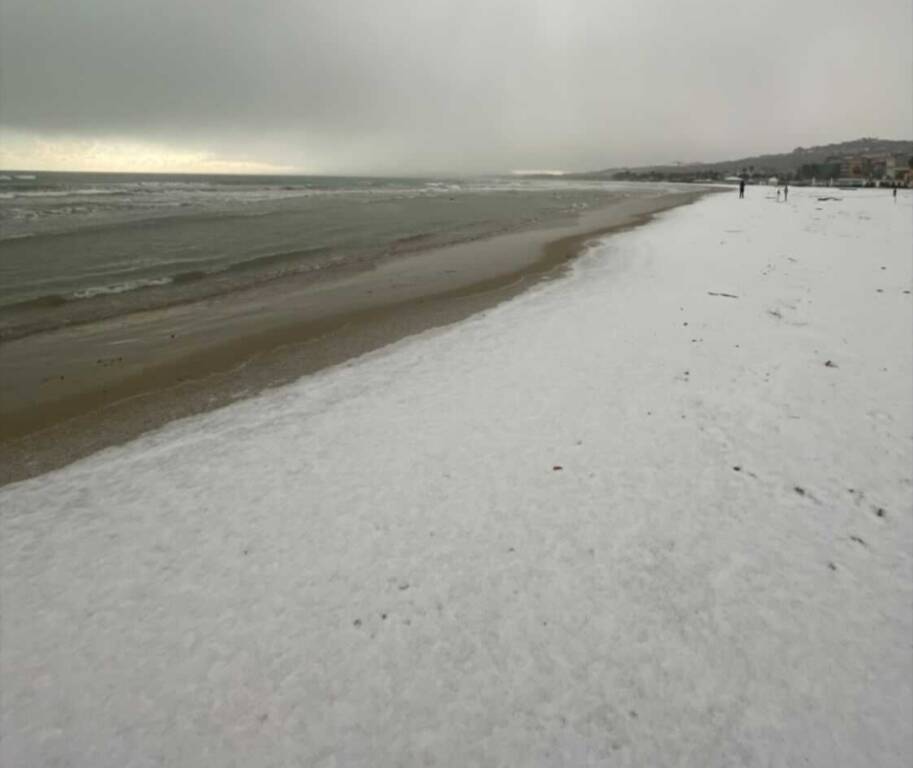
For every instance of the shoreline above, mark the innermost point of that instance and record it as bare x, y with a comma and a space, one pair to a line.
658, 507
84, 388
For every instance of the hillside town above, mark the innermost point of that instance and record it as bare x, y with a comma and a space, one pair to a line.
859, 163
857, 170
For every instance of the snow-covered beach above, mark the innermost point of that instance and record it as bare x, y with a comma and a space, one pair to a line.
657, 512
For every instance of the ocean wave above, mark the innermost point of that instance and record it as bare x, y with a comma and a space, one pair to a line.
57, 192
289, 259
52, 300
124, 287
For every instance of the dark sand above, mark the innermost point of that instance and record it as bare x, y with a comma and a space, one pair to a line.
70, 392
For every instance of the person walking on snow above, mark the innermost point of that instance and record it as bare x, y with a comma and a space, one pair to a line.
785, 190
741, 188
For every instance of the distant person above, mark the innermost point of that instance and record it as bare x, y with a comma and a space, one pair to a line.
741, 188
778, 194
894, 193
785, 191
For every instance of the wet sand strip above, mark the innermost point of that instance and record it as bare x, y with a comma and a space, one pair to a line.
71, 392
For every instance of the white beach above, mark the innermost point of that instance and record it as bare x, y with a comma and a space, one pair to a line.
656, 512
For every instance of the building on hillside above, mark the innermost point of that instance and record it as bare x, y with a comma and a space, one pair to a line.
852, 167
897, 167
872, 167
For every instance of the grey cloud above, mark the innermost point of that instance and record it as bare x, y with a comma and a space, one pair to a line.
413, 85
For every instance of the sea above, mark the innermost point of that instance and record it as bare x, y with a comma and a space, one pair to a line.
76, 247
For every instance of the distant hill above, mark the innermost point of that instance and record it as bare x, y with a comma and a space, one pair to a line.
821, 160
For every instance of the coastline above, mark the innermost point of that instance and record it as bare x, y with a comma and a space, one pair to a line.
658, 507
80, 389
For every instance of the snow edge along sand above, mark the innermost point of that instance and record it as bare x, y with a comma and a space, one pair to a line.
611, 518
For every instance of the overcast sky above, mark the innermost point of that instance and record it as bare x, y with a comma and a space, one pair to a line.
380, 86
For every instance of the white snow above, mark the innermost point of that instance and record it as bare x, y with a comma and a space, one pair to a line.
379, 565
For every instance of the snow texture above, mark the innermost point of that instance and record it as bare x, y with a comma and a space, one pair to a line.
655, 513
